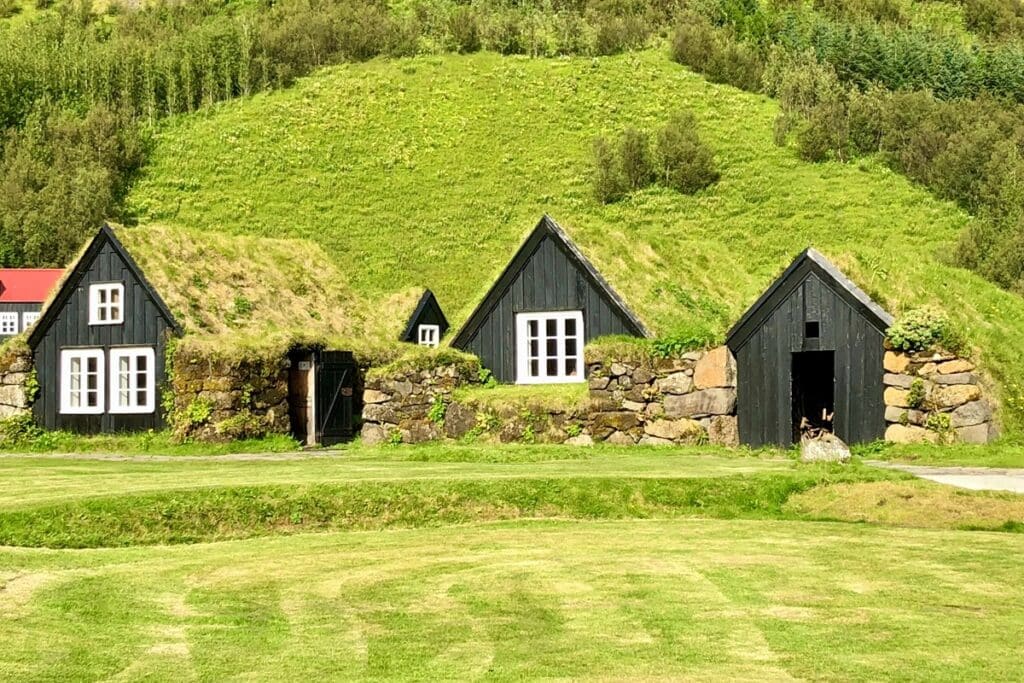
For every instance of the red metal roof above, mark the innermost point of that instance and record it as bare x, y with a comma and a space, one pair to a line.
27, 285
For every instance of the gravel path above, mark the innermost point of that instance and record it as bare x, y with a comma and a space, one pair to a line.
977, 478
228, 457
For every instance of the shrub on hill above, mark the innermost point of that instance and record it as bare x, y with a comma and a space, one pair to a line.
686, 163
716, 53
995, 18
464, 25
609, 184
635, 158
680, 160
969, 151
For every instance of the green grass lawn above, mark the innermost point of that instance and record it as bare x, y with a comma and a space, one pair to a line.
429, 171
686, 599
503, 563
37, 480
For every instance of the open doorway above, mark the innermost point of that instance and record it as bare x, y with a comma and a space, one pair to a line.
301, 396
813, 391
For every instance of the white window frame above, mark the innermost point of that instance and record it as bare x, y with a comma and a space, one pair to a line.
29, 318
523, 375
83, 355
132, 353
95, 305
8, 323
429, 335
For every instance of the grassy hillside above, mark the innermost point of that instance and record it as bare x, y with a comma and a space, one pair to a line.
429, 171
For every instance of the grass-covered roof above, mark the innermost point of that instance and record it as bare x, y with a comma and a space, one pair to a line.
260, 290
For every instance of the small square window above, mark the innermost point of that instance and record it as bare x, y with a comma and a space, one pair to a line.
106, 304
8, 323
811, 330
429, 335
29, 318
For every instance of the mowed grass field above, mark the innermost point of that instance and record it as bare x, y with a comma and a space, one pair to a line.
429, 171
719, 590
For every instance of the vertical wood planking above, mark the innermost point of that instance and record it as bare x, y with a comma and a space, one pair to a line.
144, 325
549, 281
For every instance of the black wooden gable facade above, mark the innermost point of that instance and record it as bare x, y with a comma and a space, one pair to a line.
811, 348
66, 328
427, 313
547, 274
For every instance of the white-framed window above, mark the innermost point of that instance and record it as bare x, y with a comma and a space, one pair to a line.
29, 318
106, 304
81, 381
8, 323
132, 375
549, 347
429, 335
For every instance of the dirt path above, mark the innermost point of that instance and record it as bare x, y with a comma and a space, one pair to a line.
229, 457
976, 478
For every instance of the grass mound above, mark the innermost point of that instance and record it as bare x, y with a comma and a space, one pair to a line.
429, 171
912, 504
215, 514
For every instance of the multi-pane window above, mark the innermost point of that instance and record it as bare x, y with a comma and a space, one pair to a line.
549, 347
29, 318
429, 335
8, 323
106, 304
132, 376
81, 373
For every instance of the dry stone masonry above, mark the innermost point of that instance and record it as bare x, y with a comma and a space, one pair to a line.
411, 405
659, 402
935, 397
220, 398
691, 399
15, 393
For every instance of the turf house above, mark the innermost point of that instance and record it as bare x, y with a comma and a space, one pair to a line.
22, 293
102, 349
546, 305
810, 350
99, 347
219, 337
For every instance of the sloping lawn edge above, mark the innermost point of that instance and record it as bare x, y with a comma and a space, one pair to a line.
237, 512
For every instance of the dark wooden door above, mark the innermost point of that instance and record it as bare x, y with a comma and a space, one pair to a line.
336, 410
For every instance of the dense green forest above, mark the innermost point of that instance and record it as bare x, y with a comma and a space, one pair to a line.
934, 89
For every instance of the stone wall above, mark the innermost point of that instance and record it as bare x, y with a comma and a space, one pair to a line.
15, 392
218, 398
412, 405
691, 399
686, 400
935, 397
